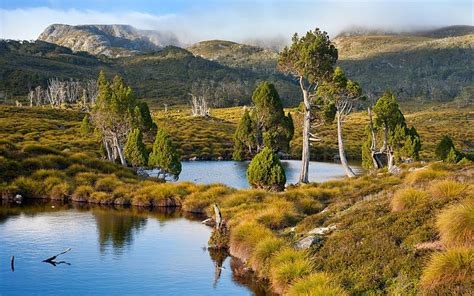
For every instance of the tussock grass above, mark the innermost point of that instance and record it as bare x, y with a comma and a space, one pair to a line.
277, 214
456, 225
288, 266
424, 175
28, 187
108, 183
245, 236
162, 195
82, 193
263, 252
449, 273
199, 201
315, 284
448, 189
101, 197
408, 198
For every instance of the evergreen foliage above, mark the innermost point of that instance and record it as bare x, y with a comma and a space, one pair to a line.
444, 148
135, 150
164, 155
86, 127
244, 138
265, 171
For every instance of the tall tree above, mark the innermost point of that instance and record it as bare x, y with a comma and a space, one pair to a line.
343, 93
164, 156
135, 150
398, 140
244, 138
311, 59
266, 126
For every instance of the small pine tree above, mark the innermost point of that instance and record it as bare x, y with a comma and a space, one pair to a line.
164, 155
452, 156
244, 138
444, 147
135, 151
86, 127
265, 171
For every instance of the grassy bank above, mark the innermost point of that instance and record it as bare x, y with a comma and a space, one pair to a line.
211, 138
376, 234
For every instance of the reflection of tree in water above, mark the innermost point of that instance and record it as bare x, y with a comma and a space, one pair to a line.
245, 277
218, 257
117, 228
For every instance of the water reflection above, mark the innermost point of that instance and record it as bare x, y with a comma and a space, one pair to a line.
117, 228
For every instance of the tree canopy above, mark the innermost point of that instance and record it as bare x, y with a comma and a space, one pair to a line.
164, 155
135, 150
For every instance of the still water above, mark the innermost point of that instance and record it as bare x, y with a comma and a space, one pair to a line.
113, 252
233, 173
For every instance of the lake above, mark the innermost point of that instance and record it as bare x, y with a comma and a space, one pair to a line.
233, 173
113, 252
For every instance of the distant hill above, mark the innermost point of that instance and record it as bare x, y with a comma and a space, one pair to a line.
163, 76
109, 40
236, 55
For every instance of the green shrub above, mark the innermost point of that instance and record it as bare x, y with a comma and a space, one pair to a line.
288, 266
443, 148
456, 225
405, 199
449, 273
316, 284
464, 161
265, 171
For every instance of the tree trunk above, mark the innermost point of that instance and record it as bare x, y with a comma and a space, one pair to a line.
390, 159
342, 155
107, 149
119, 150
373, 145
385, 139
306, 125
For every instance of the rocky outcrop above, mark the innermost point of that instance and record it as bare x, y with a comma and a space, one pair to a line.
109, 40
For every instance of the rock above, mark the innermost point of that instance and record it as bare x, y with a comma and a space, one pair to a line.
412, 169
395, 170
18, 198
193, 158
142, 172
322, 230
307, 242
220, 158
209, 222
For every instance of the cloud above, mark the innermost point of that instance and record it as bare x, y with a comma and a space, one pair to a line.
250, 20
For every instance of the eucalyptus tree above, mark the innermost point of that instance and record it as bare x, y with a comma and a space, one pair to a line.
343, 93
310, 59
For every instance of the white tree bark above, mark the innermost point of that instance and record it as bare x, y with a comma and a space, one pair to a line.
342, 155
119, 149
306, 134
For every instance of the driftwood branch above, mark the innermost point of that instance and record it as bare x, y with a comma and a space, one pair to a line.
218, 214
51, 259
12, 263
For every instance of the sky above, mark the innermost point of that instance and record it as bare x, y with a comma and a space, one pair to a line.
237, 20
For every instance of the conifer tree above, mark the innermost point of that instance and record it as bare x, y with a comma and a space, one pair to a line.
444, 147
135, 150
266, 171
244, 138
164, 156
86, 125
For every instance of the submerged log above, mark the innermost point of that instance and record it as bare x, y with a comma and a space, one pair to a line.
51, 261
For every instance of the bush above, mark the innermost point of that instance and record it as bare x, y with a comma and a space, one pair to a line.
316, 284
265, 171
261, 256
443, 148
288, 266
447, 189
449, 273
456, 225
82, 193
28, 187
405, 199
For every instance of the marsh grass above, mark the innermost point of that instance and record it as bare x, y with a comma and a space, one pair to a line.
449, 273
456, 225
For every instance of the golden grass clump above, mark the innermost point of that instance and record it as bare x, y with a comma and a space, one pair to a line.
408, 198
447, 189
245, 236
315, 284
423, 175
162, 194
449, 273
108, 183
456, 225
287, 266
277, 214
101, 197
263, 252
28, 187
82, 193
199, 201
